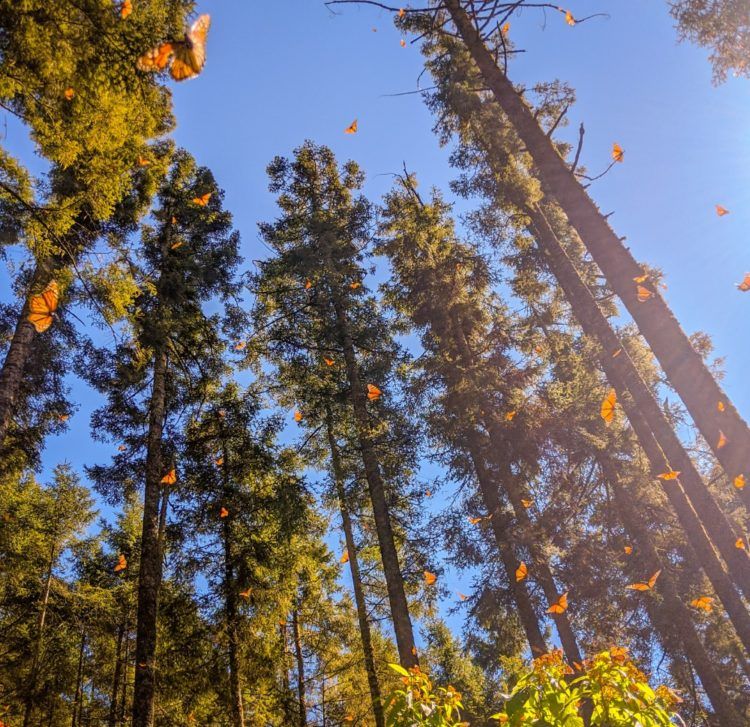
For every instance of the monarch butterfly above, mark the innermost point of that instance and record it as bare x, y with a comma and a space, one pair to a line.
608, 407
142, 161
527, 503
429, 578
670, 475
308, 284
126, 9
352, 128
121, 448
401, 12
297, 416
219, 461
705, 603
509, 416
505, 29
647, 585
521, 572
69, 93
223, 512
462, 596
744, 286
328, 361
560, 605
474, 520
640, 278
170, 478
188, 56
569, 19
42, 307
617, 353
720, 406
739, 482
617, 153
628, 549
354, 285
740, 544
246, 593
176, 245
202, 201
373, 393
344, 557
643, 294
122, 563
239, 345
721, 211
722, 440
403, 43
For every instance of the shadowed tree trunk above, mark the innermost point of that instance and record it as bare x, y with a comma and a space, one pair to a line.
301, 695
79, 682
670, 616
622, 370
683, 366
499, 524
112, 720
359, 595
230, 605
594, 323
149, 579
389, 556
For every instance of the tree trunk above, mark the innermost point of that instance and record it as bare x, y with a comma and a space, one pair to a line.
671, 618
79, 682
236, 708
594, 324
149, 579
535, 540
31, 687
125, 668
683, 366
359, 595
618, 369
301, 696
499, 523
112, 720
389, 556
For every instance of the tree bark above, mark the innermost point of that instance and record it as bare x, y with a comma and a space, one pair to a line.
301, 695
499, 523
389, 556
683, 366
112, 719
31, 687
125, 668
79, 682
359, 595
587, 311
149, 579
594, 323
671, 617
236, 708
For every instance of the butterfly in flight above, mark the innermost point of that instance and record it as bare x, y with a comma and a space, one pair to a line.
203, 200
744, 286
352, 128
42, 307
373, 393
429, 578
560, 605
608, 407
645, 585
187, 56
170, 478
705, 603
122, 563
345, 557
521, 572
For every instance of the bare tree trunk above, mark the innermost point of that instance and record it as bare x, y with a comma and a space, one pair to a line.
624, 371
359, 595
618, 370
301, 696
389, 556
112, 720
499, 523
79, 682
31, 687
125, 669
149, 579
671, 618
236, 708
684, 367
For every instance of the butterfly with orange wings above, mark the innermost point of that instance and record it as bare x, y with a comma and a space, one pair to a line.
187, 56
645, 585
42, 307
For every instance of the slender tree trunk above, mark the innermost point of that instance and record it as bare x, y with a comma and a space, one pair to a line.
359, 595
236, 708
79, 682
618, 370
112, 720
41, 621
499, 523
623, 374
684, 367
671, 617
149, 579
301, 696
125, 669
535, 539
389, 556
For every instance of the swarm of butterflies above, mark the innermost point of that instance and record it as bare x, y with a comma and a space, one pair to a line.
185, 59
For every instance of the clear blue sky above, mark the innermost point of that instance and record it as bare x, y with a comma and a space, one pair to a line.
283, 71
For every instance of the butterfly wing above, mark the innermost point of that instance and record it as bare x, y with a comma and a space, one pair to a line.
41, 307
190, 54
156, 59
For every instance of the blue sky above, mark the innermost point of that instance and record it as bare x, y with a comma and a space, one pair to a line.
282, 71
